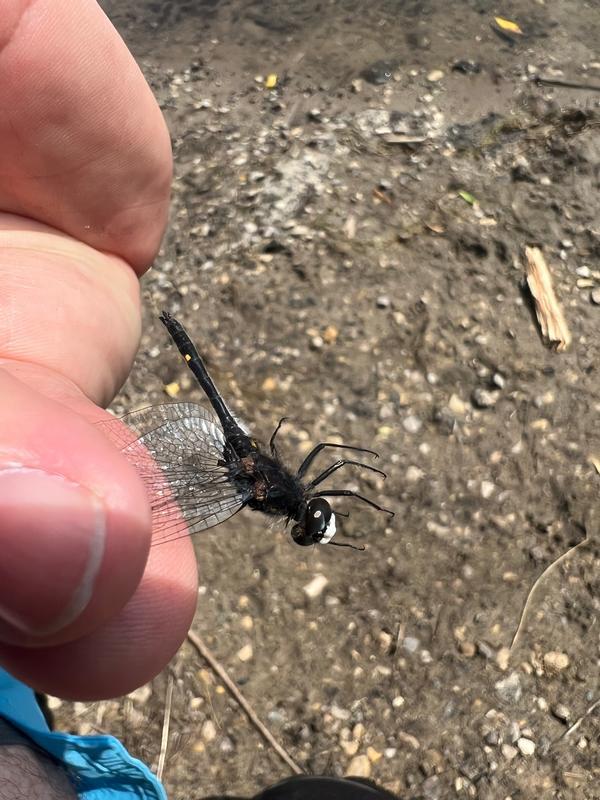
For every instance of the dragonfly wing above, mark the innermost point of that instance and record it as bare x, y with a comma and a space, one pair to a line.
178, 449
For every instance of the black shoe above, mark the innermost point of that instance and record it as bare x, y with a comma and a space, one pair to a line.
308, 787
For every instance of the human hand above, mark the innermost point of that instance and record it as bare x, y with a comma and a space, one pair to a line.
86, 609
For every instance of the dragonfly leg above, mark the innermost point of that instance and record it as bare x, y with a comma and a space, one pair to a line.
272, 447
350, 493
321, 446
341, 463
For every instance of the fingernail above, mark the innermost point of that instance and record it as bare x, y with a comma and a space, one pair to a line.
52, 534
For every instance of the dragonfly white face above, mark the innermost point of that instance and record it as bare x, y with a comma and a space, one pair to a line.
329, 532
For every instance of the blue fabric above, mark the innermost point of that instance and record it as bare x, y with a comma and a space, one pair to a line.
99, 766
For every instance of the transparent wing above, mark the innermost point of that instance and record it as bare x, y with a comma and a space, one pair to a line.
178, 451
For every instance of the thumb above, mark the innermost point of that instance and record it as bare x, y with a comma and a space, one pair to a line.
74, 520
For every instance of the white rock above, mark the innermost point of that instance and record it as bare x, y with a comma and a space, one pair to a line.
435, 75
555, 661
245, 653
208, 731
487, 489
314, 588
526, 746
412, 424
414, 474
359, 767
509, 752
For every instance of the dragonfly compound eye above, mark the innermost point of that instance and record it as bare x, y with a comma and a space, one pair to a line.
319, 521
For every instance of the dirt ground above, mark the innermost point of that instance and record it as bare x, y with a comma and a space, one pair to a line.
325, 260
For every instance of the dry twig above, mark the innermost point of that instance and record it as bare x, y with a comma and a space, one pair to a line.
548, 312
572, 728
537, 582
588, 87
164, 740
233, 690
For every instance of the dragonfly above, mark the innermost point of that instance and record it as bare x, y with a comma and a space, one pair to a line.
201, 467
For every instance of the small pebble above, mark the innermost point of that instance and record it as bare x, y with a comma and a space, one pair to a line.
314, 588
350, 748
595, 296
487, 489
414, 474
398, 701
526, 746
514, 732
383, 301
373, 755
503, 658
492, 738
435, 75
411, 644
509, 688
482, 398
339, 713
358, 731
247, 622
561, 712
509, 752
456, 405
555, 662
139, 696
486, 650
468, 649
330, 334
466, 66
245, 653
412, 424
172, 389
208, 730
409, 739
359, 767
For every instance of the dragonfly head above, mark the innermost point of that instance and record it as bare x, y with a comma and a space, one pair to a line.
317, 525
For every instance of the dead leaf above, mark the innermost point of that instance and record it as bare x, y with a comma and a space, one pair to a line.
467, 197
508, 25
172, 389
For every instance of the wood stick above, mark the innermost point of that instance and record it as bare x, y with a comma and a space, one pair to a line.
233, 690
549, 314
164, 741
550, 568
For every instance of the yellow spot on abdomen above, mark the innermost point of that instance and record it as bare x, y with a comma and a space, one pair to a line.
187, 357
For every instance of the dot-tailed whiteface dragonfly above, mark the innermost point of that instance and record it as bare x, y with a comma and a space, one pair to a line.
200, 467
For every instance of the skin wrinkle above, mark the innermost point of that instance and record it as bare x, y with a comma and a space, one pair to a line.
88, 359
12, 32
